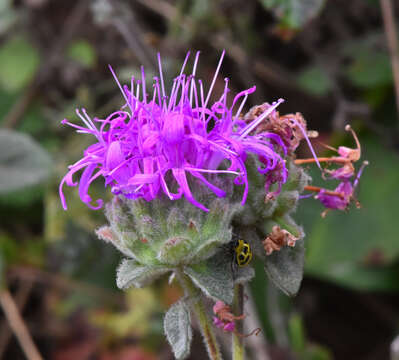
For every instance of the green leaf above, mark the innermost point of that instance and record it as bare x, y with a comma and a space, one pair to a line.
243, 274
177, 327
23, 162
315, 81
370, 69
214, 277
294, 13
130, 273
82, 52
358, 248
174, 249
19, 61
285, 267
105, 233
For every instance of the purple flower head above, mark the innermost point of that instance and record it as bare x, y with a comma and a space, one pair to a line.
159, 144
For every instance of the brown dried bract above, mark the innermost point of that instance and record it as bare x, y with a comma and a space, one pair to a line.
287, 126
277, 239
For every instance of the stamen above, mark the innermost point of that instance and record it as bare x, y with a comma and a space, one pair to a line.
349, 128
214, 171
333, 159
359, 173
161, 75
308, 141
120, 87
327, 192
256, 122
241, 106
214, 79
193, 74
144, 87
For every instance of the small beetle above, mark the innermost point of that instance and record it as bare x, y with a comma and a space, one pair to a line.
242, 252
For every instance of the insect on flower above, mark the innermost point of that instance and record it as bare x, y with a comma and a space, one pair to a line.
161, 144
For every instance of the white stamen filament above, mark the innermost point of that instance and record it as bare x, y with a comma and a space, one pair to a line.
259, 119
213, 171
120, 87
241, 106
214, 79
161, 75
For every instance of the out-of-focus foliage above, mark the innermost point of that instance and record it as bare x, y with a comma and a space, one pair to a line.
19, 61
82, 52
7, 16
23, 162
137, 320
294, 13
315, 81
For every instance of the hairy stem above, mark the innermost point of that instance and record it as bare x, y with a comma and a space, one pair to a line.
238, 308
198, 309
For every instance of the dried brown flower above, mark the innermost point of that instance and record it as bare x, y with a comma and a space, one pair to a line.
277, 239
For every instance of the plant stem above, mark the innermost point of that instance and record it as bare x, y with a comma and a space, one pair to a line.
18, 326
390, 29
238, 308
198, 308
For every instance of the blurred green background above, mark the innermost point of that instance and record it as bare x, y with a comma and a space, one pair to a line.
329, 59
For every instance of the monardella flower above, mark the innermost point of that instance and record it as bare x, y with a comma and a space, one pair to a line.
340, 198
160, 144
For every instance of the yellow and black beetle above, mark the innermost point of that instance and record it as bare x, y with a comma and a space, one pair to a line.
242, 252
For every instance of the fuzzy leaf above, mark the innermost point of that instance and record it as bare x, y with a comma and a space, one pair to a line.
285, 267
243, 274
130, 273
208, 248
174, 249
105, 233
23, 162
214, 277
286, 202
177, 327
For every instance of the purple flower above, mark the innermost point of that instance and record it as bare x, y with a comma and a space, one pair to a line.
341, 197
158, 144
230, 326
217, 322
345, 189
